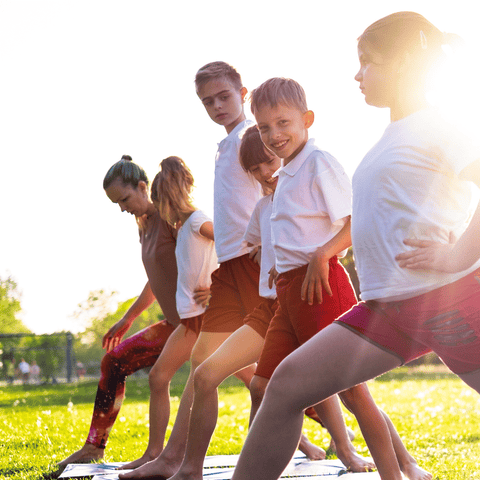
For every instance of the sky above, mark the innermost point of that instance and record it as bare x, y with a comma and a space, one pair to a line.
84, 82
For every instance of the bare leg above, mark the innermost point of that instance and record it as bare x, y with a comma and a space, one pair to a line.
241, 349
312, 373
408, 465
331, 414
257, 392
169, 461
176, 352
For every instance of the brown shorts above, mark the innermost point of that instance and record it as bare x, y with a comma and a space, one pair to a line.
235, 294
261, 316
193, 323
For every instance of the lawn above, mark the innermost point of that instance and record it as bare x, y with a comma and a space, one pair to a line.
437, 416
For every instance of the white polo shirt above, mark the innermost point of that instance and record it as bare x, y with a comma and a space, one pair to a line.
312, 200
407, 186
259, 234
196, 260
235, 195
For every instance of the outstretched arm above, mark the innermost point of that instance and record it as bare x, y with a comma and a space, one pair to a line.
114, 336
452, 257
318, 268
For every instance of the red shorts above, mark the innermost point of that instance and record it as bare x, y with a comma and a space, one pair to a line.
445, 320
193, 323
296, 321
261, 316
234, 292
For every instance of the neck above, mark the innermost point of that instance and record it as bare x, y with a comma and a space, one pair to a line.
183, 217
151, 209
231, 127
407, 106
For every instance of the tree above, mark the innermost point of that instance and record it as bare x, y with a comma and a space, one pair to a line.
98, 310
10, 307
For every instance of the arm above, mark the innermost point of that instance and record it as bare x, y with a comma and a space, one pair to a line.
318, 268
207, 230
201, 295
452, 257
114, 336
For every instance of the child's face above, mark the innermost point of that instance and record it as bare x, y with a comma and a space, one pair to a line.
377, 78
223, 102
263, 171
132, 200
283, 129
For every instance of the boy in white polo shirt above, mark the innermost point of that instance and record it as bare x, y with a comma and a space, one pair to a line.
310, 228
234, 286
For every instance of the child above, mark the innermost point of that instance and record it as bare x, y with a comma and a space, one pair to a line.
196, 260
235, 283
244, 346
408, 185
126, 184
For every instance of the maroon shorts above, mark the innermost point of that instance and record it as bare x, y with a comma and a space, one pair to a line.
296, 321
234, 292
261, 316
193, 323
445, 320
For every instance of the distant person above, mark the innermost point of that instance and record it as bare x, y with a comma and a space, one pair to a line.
126, 184
411, 184
24, 368
35, 372
11, 371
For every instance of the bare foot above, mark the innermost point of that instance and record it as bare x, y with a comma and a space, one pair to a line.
332, 447
88, 453
145, 458
158, 468
414, 472
310, 450
354, 462
183, 474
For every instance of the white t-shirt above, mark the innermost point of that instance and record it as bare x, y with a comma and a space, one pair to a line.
407, 187
196, 260
259, 234
235, 195
24, 367
312, 200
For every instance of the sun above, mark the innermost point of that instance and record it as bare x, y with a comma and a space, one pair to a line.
454, 90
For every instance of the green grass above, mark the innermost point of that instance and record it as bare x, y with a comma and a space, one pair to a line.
437, 416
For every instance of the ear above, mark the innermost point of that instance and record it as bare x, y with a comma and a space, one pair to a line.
308, 118
243, 93
404, 63
142, 185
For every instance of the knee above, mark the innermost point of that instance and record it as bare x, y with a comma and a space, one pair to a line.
355, 397
203, 380
157, 381
257, 389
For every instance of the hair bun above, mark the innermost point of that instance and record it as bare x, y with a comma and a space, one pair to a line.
126, 158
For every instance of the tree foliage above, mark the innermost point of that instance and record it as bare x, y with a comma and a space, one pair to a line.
97, 308
10, 307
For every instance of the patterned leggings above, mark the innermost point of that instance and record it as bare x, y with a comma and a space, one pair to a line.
138, 351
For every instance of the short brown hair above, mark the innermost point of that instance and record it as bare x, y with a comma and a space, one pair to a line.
277, 91
252, 149
217, 70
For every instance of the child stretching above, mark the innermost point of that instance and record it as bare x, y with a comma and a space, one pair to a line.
196, 260
244, 346
407, 186
126, 184
235, 283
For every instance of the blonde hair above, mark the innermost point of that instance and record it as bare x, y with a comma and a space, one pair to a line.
277, 91
217, 71
171, 190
